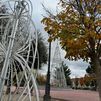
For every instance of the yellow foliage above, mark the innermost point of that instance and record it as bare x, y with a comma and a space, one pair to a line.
76, 27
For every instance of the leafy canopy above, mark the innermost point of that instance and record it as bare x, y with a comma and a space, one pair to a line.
78, 26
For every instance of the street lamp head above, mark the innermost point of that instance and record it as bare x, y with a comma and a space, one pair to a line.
49, 31
50, 38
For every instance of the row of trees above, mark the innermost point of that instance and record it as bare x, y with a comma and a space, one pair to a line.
78, 26
85, 82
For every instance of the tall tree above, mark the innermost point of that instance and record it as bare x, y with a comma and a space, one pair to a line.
42, 52
42, 49
78, 26
67, 73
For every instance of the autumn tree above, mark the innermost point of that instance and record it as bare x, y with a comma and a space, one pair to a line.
41, 79
78, 26
81, 81
87, 80
76, 82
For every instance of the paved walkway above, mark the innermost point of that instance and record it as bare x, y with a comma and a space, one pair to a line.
73, 95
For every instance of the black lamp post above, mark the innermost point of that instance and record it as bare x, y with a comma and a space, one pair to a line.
47, 96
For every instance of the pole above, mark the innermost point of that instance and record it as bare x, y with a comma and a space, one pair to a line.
47, 96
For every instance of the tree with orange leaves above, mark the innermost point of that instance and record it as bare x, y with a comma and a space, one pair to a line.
78, 26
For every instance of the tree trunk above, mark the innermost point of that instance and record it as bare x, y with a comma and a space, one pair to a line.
99, 82
98, 75
99, 87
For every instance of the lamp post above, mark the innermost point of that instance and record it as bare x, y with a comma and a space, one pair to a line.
47, 96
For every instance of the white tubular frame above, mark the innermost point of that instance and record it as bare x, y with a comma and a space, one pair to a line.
15, 52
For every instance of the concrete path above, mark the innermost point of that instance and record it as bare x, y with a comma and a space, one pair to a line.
73, 95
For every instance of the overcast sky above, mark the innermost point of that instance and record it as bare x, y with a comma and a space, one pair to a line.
77, 67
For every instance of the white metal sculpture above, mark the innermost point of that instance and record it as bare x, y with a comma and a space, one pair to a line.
18, 51
57, 72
